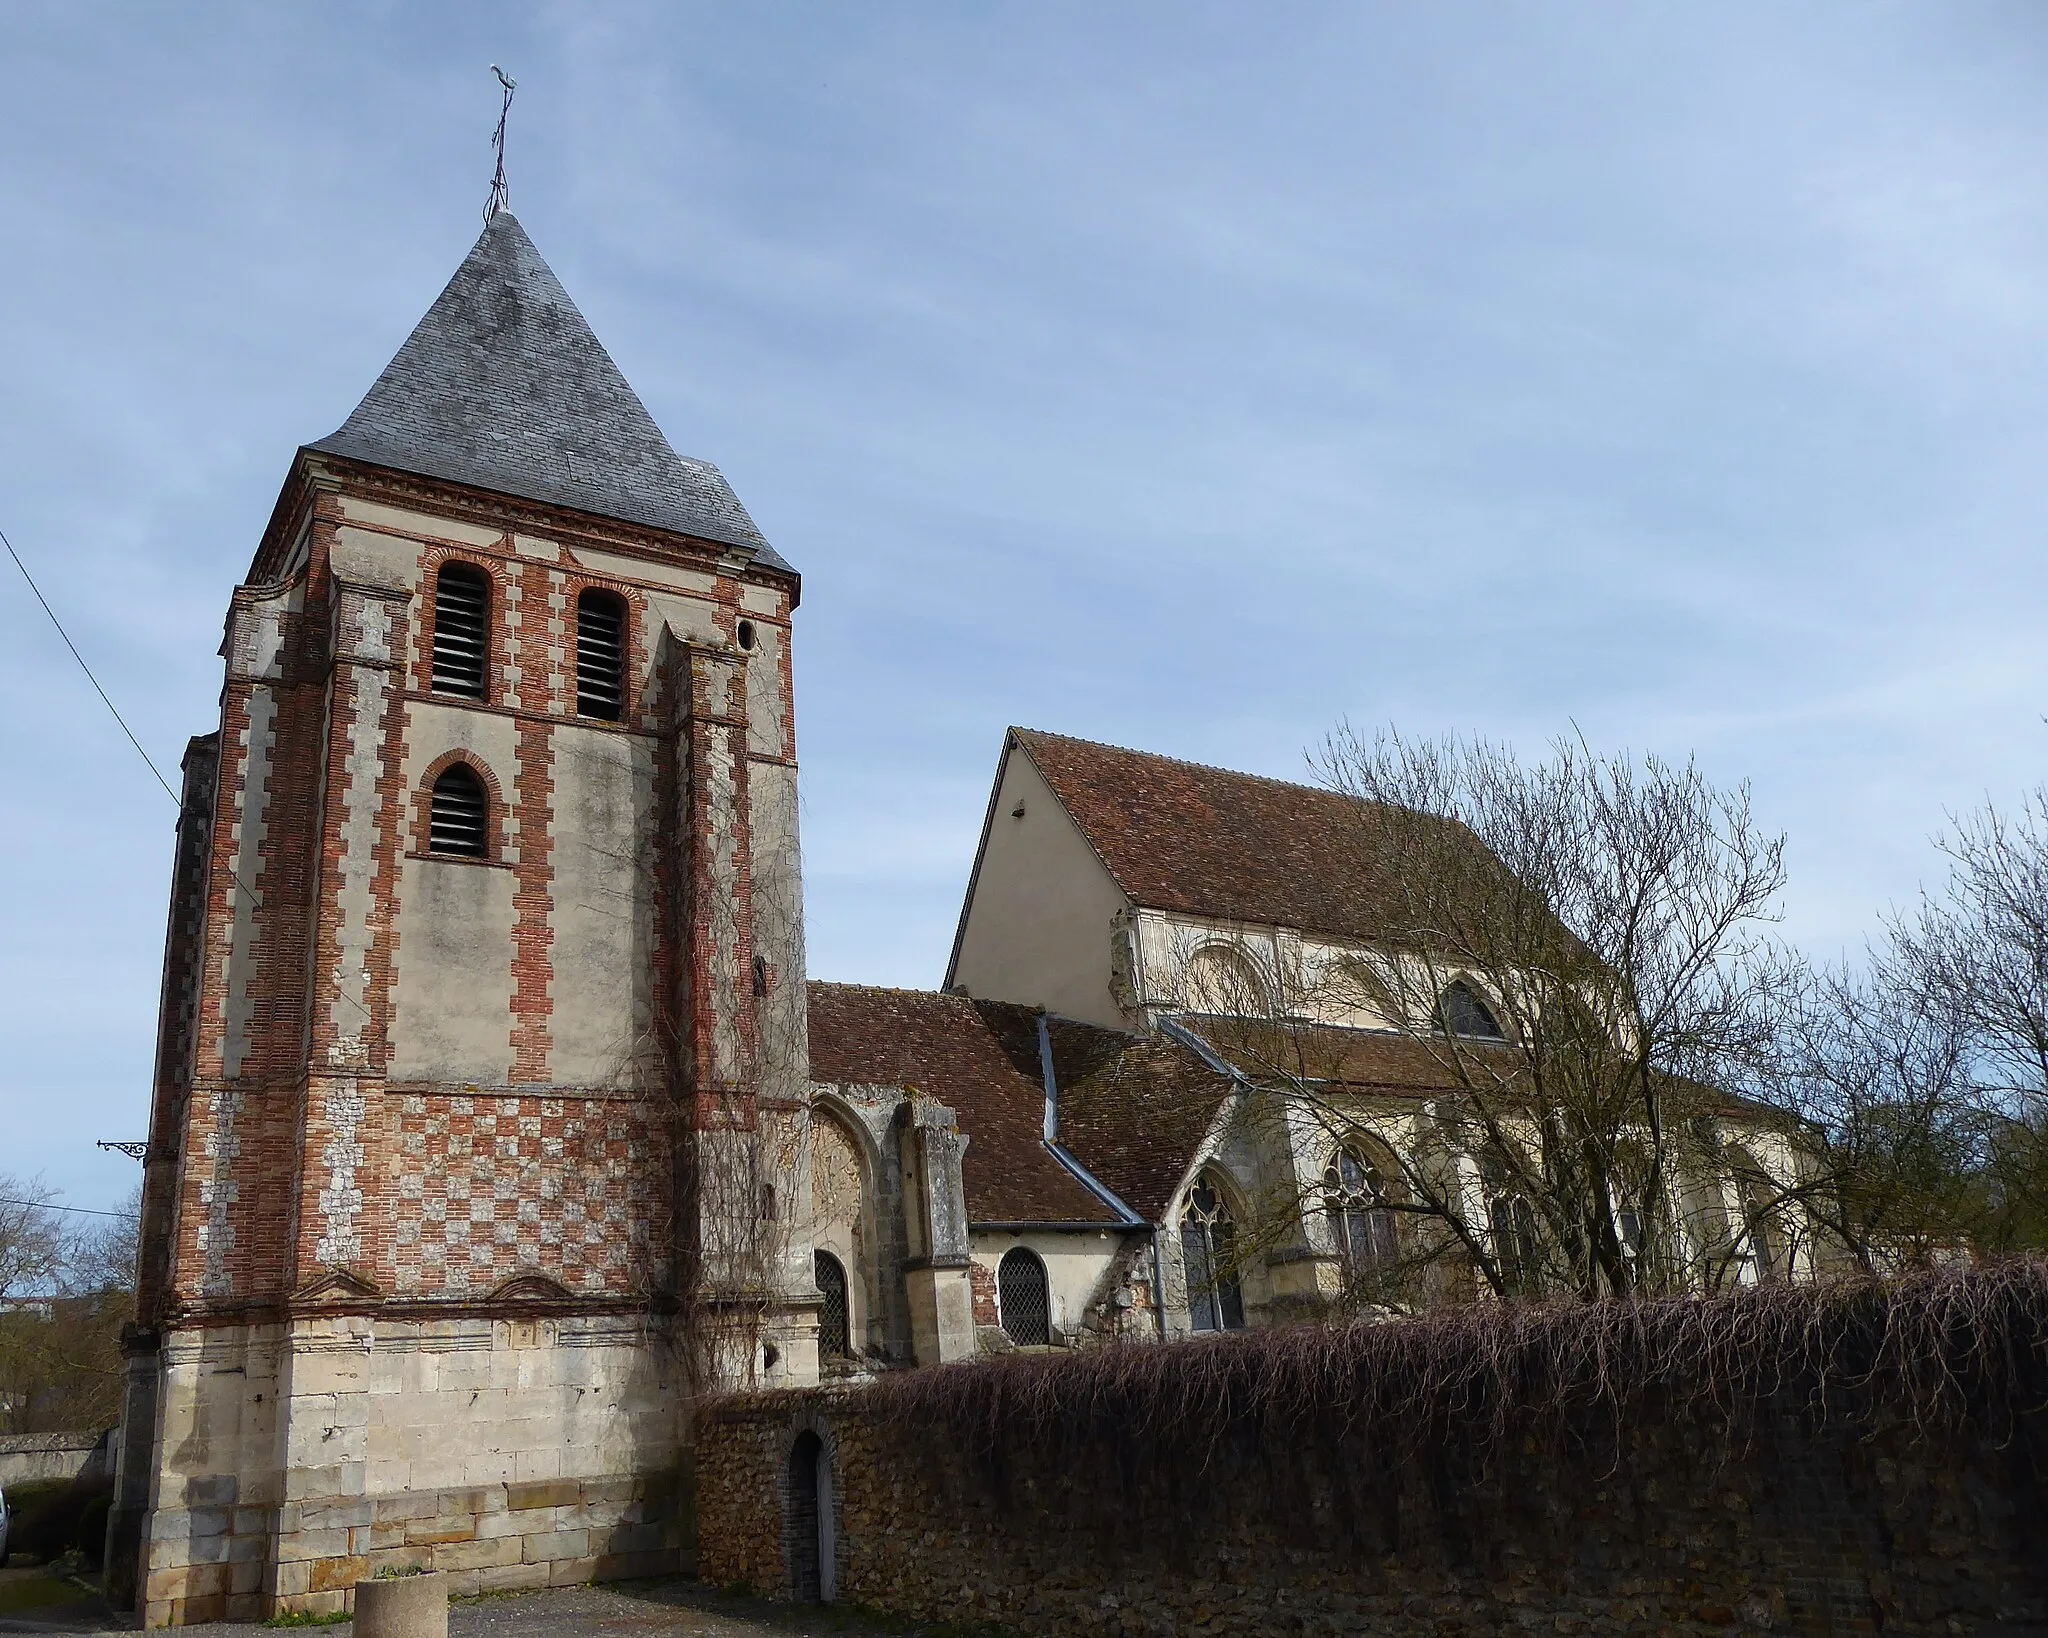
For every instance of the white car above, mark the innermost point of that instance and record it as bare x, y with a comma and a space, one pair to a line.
3, 1529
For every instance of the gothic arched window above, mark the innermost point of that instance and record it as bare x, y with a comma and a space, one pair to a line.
600, 655
1023, 1300
1355, 1196
459, 814
835, 1340
1512, 1231
1464, 1013
1208, 1254
462, 629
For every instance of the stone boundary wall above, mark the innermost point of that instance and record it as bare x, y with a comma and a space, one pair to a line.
1805, 1526
27, 1458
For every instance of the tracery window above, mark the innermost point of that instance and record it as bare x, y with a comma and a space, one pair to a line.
462, 629
1208, 1246
1023, 1301
458, 814
1512, 1230
835, 1340
1355, 1196
1464, 1013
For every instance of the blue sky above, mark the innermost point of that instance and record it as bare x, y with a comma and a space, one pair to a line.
1191, 377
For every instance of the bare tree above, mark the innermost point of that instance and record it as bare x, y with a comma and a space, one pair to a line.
68, 1286
1579, 950
1976, 954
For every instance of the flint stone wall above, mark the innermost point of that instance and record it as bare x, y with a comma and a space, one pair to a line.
1807, 1526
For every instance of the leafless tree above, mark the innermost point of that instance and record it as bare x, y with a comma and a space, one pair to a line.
68, 1286
1975, 953
1581, 949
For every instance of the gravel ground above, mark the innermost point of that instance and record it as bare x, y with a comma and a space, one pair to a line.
684, 1609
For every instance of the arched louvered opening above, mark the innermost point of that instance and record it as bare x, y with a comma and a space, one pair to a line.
462, 629
835, 1339
459, 818
600, 655
1023, 1300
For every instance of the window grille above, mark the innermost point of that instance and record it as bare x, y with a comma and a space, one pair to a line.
1465, 1014
462, 629
1208, 1250
1364, 1229
1022, 1299
458, 819
835, 1338
600, 655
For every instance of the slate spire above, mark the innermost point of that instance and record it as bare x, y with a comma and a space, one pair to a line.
502, 386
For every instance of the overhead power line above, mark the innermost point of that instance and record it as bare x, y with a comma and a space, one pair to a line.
132, 740
80, 658
45, 1205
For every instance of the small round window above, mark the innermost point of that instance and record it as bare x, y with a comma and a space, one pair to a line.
746, 634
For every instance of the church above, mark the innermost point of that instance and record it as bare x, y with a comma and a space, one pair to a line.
494, 1120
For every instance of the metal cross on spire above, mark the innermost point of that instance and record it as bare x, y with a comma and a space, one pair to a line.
500, 199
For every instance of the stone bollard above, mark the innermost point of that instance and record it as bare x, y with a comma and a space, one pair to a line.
408, 1606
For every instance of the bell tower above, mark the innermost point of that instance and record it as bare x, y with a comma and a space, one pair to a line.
483, 1037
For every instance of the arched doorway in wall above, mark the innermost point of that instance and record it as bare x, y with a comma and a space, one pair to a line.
808, 1533
1024, 1298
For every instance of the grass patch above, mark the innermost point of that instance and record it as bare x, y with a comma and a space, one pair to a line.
306, 1618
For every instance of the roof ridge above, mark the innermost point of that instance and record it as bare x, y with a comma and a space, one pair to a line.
882, 989
1186, 762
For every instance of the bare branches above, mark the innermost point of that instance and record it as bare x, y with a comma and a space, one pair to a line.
1943, 1351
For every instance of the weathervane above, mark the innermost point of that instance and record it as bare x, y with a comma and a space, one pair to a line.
500, 199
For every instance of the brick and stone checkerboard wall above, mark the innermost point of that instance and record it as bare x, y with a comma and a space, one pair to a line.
1820, 1528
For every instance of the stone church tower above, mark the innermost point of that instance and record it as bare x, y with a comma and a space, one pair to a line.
478, 1113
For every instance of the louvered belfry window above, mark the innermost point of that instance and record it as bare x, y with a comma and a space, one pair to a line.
462, 629
600, 655
458, 822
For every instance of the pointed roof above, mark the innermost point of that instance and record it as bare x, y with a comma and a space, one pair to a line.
502, 386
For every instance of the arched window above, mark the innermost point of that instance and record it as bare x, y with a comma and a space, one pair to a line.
835, 1340
1355, 1195
1222, 981
462, 629
760, 975
1022, 1301
600, 655
458, 816
1464, 1013
1208, 1254
1511, 1226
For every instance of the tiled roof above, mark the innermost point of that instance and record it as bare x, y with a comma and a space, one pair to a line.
502, 386
1133, 1110
978, 1058
1209, 842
